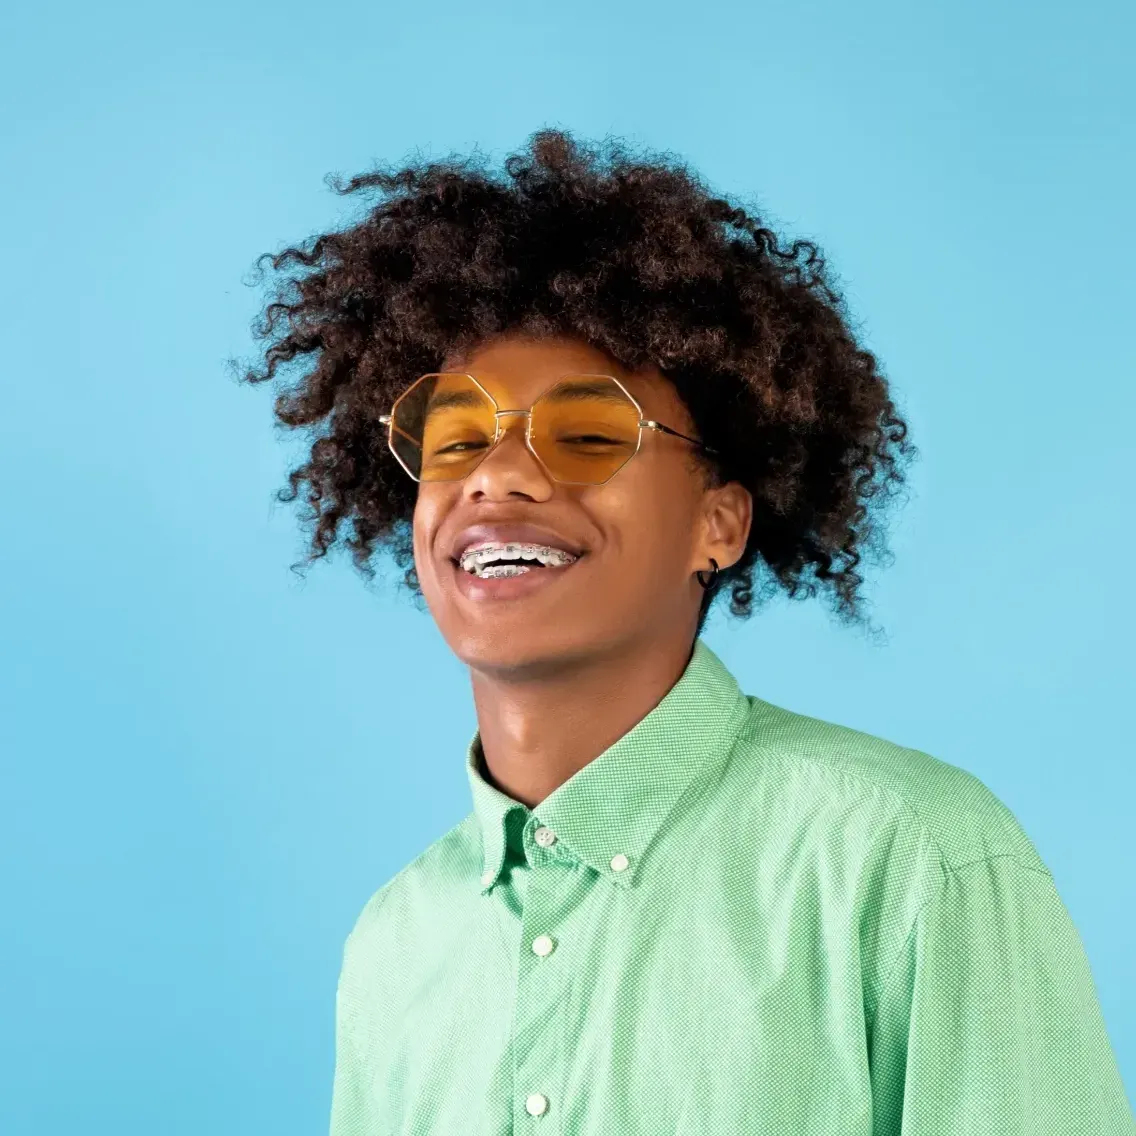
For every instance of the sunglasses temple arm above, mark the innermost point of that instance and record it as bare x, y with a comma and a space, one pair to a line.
675, 433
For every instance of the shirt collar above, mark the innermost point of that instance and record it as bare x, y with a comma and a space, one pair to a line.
618, 802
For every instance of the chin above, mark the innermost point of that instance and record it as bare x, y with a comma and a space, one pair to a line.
534, 632
528, 651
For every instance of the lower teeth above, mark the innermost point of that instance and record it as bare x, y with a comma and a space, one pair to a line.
492, 571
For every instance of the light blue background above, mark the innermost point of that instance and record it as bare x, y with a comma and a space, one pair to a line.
205, 773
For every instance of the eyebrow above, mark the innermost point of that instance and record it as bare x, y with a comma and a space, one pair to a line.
566, 392
454, 398
562, 392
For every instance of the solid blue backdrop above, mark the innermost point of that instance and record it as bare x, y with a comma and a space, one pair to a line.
209, 765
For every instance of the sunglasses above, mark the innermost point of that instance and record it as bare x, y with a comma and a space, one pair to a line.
583, 429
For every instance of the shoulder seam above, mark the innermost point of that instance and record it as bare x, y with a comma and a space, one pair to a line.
1042, 871
869, 783
953, 871
878, 786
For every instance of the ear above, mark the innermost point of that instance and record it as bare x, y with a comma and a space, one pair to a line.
727, 514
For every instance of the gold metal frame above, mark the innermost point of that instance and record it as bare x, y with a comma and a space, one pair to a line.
644, 424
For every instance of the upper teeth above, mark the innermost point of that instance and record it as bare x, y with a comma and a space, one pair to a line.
479, 555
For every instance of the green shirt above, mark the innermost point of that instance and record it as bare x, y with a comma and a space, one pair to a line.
736, 919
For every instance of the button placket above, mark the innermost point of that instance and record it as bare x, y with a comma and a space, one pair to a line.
538, 1044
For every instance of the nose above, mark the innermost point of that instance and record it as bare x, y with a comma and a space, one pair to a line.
509, 468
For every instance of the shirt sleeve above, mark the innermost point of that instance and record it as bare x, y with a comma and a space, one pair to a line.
989, 1022
350, 1100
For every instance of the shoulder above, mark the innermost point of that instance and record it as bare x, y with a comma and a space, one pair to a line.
960, 819
442, 871
873, 830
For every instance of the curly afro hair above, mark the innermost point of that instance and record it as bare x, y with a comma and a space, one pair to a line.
633, 255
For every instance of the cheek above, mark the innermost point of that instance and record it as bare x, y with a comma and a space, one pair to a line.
428, 514
419, 524
651, 521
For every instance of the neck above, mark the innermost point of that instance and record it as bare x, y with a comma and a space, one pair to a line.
536, 732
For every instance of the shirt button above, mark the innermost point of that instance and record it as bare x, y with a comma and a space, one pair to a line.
536, 1104
543, 945
545, 837
486, 879
619, 863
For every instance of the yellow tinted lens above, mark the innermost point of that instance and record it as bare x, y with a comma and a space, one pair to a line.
442, 427
585, 429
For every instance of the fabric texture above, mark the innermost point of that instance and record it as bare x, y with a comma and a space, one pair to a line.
737, 919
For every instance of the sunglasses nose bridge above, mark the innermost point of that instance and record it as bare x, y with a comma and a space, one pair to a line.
519, 435
502, 425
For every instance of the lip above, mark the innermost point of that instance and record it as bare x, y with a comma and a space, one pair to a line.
511, 587
511, 533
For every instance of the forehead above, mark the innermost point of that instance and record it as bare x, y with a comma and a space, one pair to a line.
516, 370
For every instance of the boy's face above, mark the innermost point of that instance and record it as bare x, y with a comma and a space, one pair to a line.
641, 535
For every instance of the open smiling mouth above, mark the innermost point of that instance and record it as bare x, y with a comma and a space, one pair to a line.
511, 571
501, 561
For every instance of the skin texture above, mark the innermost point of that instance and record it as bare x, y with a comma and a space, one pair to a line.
560, 675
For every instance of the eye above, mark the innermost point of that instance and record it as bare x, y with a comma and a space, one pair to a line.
459, 447
591, 440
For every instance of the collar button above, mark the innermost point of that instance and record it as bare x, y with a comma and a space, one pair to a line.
619, 863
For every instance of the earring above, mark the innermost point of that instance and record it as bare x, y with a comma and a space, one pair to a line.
704, 582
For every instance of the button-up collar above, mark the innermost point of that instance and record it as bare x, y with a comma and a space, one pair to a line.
609, 811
